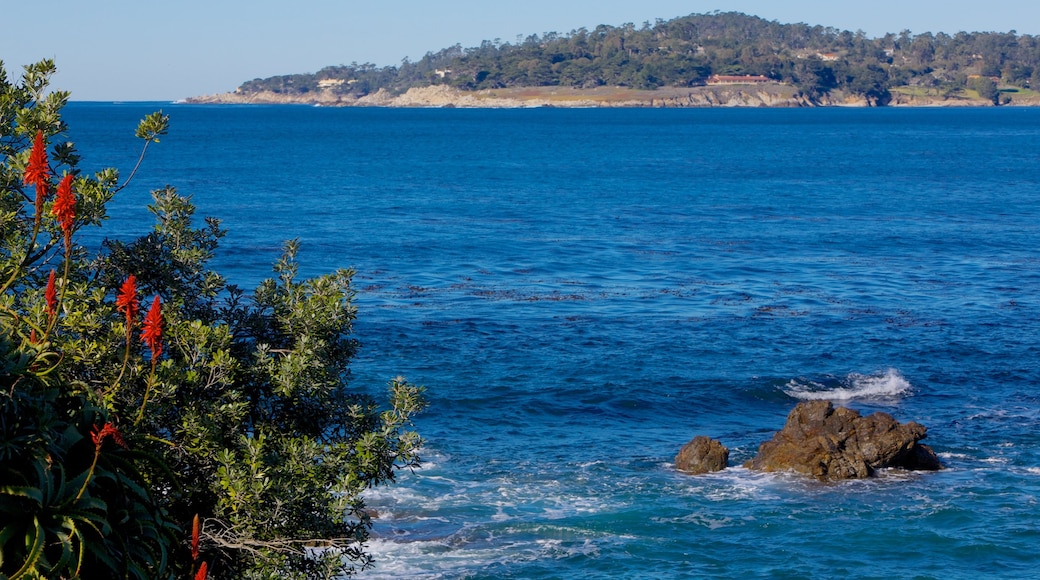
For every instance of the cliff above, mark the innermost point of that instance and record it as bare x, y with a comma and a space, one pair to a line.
767, 95
771, 95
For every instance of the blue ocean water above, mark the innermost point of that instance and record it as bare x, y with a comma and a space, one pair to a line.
583, 291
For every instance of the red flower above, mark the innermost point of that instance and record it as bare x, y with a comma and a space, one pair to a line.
127, 302
195, 538
64, 208
51, 296
152, 333
201, 574
38, 172
98, 435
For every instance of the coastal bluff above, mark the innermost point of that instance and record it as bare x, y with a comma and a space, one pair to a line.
771, 95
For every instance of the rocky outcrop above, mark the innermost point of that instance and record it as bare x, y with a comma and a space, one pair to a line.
321, 98
832, 444
911, 100
776, 95
728, 97
769, 95
702, 455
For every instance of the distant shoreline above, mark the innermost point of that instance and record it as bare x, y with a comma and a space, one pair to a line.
770, 95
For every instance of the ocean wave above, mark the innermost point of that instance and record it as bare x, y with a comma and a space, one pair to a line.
734, 484
887, 385
428, 559
476, 548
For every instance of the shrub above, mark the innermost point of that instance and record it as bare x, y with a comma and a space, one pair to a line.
121, 421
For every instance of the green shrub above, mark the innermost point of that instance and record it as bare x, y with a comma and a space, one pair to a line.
138, 389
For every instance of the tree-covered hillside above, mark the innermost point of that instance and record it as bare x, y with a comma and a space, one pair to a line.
687, 51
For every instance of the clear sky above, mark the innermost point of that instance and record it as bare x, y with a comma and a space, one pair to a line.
166, 50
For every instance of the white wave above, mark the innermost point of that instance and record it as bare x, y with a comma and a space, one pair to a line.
951, 455
887, 385
427, 559
735, 483
1033, 470
466, 552
388, 495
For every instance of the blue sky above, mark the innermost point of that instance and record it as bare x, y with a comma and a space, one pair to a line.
166, 50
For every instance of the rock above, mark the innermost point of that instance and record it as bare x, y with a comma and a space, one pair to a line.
702, 455
922, 458
371, 513
833, 444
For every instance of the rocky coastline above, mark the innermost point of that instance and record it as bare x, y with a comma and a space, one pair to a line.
774, 95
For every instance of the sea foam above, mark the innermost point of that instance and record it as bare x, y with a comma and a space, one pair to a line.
886, 385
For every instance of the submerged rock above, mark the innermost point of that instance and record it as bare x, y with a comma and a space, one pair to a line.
702, 455
832, 444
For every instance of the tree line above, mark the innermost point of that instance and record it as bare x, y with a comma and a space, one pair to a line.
687, 51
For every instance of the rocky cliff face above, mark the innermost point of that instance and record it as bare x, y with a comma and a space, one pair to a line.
766, 95
770, 95
324, 98
443, 96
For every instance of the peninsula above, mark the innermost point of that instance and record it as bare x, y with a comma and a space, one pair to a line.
702, 60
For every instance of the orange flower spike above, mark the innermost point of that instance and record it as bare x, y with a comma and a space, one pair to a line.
98, 435
201, 574
38, 172
64, 208
152, 333
127, 302
195, 538
51, 296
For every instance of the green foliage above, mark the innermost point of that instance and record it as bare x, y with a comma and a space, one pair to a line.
64, 515
985, 87
152, 126
685, 51
244, 418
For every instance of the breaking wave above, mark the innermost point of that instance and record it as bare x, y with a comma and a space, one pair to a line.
887, 385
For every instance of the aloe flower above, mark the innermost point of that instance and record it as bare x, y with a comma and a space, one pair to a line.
51, 296
99, 434
127, 302
195, 538
64, 208
152, 333
38, 172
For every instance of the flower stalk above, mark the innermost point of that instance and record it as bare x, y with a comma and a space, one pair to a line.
98, 436
64, 210
152, 337
127, 303
37, 174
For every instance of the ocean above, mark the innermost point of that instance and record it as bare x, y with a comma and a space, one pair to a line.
583, 291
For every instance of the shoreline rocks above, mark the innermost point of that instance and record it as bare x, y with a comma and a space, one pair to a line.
832, 444
441, 96
769, 95
702, 455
